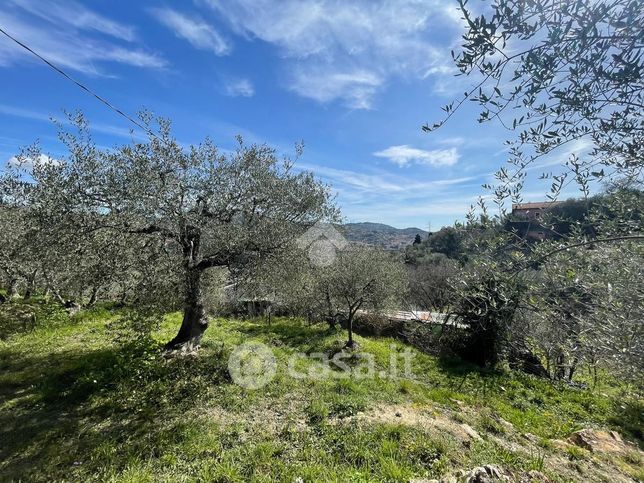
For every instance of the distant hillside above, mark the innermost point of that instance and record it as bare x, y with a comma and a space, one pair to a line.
380, 235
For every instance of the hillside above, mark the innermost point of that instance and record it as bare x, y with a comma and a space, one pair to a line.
75, 405
381, 235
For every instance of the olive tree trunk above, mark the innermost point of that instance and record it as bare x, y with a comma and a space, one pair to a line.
194, 322
352, 315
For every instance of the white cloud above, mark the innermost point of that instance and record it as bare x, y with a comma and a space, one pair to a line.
346, 51
76, 15
120, 131
560, 156
399, 199
239, 87
452, 141
29, 163
355, 88
66, 45
405, 155
379, 183
193, 29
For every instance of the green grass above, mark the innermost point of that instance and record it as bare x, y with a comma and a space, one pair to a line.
75, 405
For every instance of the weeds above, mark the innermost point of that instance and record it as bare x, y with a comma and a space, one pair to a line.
76, 404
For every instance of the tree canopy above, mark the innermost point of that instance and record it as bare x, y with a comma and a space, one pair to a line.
556, 72
200, 206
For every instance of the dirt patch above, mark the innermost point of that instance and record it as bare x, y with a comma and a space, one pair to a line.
441, 422
269, 419
428, 418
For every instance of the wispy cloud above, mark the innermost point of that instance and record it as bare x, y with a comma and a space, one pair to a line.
193, 29
398, 198
452, 141
239, 87
355, 88
405, 155
65, 39
344, 51
560, 156
382, 182
20, 112
76, 15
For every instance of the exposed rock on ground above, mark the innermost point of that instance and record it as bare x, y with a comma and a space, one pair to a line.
489, 474
600, 441
587, 455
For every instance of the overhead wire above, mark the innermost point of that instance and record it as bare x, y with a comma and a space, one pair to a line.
81, 85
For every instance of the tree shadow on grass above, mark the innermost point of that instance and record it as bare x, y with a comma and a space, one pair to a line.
300, 336
58, 409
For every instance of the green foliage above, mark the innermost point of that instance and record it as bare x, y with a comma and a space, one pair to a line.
448, 242
144, 220
131, 415
18, 316
556, 72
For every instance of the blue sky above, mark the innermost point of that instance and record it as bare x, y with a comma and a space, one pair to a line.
353, 80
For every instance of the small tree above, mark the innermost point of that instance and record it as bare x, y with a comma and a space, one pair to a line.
363, 278
202, 207
430, 286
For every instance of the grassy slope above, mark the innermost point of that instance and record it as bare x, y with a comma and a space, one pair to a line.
75, 406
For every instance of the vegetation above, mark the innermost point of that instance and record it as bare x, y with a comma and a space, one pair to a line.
362, 279
556, 72
197, 209
80, 401
381, 235
104, 252
553, 73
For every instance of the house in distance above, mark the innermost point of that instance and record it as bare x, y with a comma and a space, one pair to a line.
527, 219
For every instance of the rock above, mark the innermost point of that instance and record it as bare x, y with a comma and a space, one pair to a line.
398, 414
485, 474
506, 424
470, 431
599, 441
480, 474
560, 444
616, 436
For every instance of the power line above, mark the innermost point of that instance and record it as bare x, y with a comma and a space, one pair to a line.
86, 89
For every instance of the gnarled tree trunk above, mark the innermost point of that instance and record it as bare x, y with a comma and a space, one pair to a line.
194, 322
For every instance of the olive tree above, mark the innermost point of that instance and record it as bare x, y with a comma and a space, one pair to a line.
362, 278
430, 286
200, 206
555, 72
17, 263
